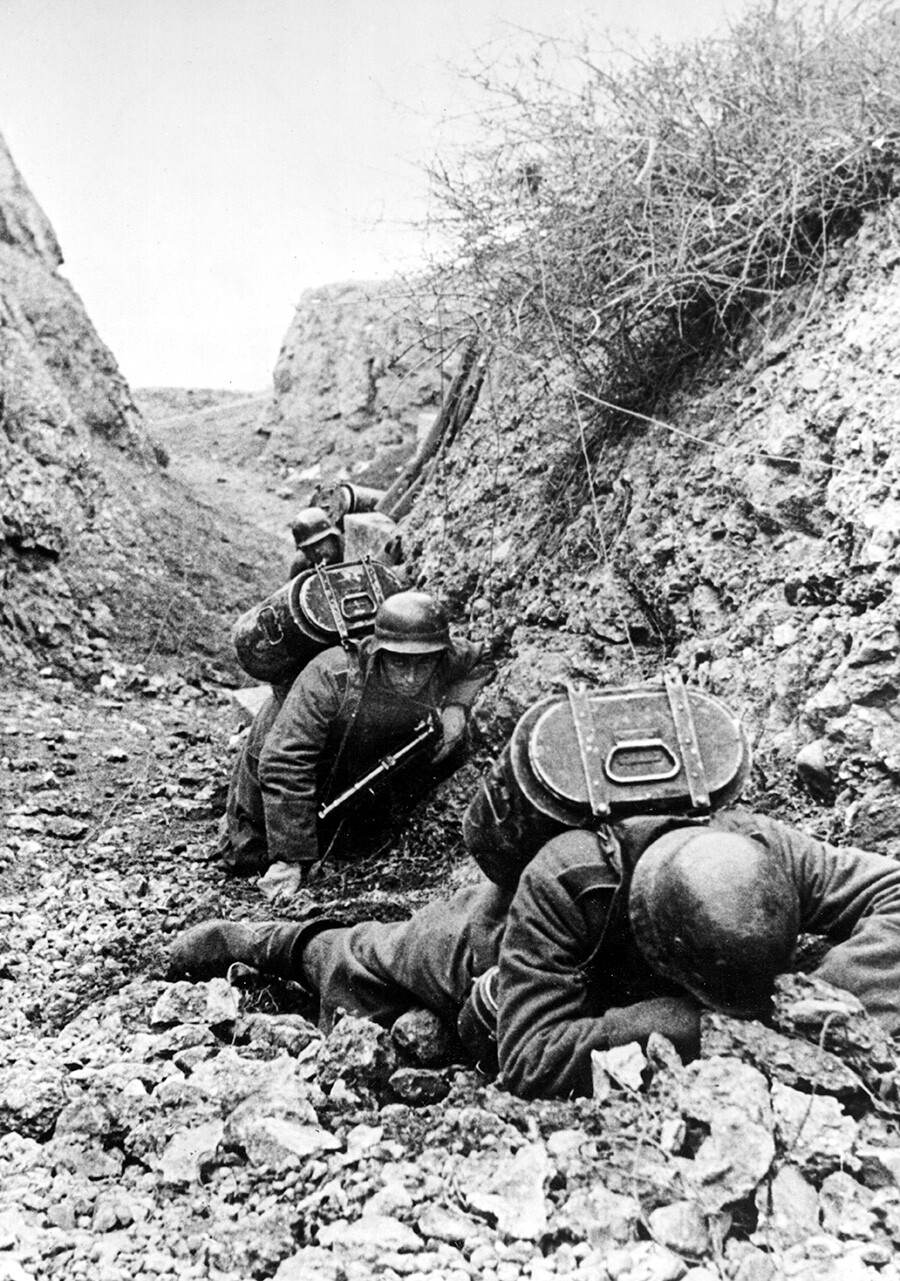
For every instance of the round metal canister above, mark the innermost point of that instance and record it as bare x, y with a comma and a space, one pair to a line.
583, 760
276, 639
361, 498
512, 814
272, 640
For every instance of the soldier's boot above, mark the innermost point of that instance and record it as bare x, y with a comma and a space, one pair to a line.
208, 950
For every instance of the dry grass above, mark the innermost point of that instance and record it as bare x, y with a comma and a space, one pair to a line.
620, 230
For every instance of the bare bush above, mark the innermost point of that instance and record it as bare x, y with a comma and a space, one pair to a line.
625, 227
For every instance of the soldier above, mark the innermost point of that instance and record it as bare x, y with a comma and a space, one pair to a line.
346, 711
317, 541
574, 959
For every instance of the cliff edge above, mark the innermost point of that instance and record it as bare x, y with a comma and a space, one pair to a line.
96, 543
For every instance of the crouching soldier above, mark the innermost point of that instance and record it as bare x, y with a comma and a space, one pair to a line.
382, 722
316, 540
577, 958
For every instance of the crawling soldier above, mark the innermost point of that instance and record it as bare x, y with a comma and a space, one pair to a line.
571, 961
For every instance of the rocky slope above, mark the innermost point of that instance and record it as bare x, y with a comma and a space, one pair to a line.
356, 376
750, 538
97, 544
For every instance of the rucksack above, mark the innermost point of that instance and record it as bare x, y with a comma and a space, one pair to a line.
323, 606
588, 757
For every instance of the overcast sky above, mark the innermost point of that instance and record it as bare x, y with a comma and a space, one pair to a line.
205, 161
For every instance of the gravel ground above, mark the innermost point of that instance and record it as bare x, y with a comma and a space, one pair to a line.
160, 1129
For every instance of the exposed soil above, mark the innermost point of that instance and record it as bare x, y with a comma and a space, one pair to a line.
213, 447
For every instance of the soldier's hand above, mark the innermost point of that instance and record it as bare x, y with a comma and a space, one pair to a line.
453, 728
477, 1022
677, 1018
281, 881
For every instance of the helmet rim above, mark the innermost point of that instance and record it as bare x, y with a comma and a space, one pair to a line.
312, 526
409, 647
410, 623
721, 921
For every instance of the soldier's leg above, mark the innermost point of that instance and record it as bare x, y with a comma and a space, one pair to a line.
373, 969
242, 841
379, 970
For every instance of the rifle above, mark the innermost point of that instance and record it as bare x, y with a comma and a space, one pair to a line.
425, 733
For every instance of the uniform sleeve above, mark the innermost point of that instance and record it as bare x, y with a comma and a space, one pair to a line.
547, 1022
852, 898
289, 760
469, 672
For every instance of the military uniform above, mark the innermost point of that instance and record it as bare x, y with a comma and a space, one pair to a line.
569, 965
315, 737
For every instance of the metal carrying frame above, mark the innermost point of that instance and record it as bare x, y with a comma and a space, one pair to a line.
597, 768
334, 604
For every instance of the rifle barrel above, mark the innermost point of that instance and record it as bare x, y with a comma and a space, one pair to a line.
384, 766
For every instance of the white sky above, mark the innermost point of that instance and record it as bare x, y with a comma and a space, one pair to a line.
204, 161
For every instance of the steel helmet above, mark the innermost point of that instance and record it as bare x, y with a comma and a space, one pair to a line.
411, 623
311, 526
717, 913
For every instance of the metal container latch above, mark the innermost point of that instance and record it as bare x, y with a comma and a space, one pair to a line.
373, 580
333, 605
694, 770
589, 748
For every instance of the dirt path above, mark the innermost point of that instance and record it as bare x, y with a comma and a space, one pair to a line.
215, 449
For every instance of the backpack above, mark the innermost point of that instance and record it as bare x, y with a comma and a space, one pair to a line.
586, 758
323, 606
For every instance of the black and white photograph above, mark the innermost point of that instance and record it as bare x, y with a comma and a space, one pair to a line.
449, 640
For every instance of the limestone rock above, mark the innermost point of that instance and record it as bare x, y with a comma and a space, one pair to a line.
755, 1265
276, 1141
422, 1036
680, 1227
277, 1033
230, 1078
212, 1003
31, 1099
310, 1264
846, 1206
508, 1188
623, 1065
351, 381
732, 1099
175, 1040
188, 1150
358, 1052
112, 1210
711, 1085
85, 1158
84, 1116
371, 1235
788, 1208
444, 1224
814, 1129
253, 1244
277, 1123
419, 1086
788, 1059
599, 1216
644, 1261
